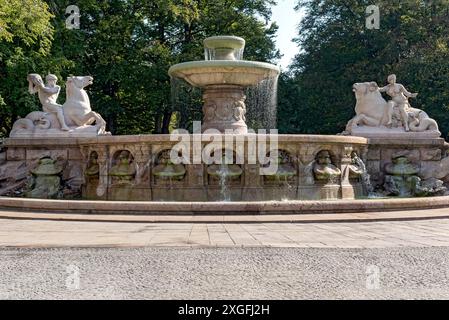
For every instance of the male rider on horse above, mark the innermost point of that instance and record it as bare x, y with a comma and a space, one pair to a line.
48, 95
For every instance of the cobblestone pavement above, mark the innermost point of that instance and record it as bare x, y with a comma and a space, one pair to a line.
36, 233
224, 273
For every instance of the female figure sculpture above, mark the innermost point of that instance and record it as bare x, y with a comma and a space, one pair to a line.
399, 98
48, 95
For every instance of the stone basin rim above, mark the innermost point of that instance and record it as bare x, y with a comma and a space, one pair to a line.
149, 138
231, 42
227, 66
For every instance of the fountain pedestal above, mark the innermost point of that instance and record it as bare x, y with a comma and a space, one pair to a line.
224, 108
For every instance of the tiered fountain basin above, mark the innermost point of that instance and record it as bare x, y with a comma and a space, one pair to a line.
228, 72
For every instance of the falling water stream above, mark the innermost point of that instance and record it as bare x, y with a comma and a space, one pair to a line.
261, 105
223, 173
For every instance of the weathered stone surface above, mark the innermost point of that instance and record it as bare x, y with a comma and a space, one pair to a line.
303, 150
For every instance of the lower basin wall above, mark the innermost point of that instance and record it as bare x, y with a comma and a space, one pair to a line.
90, 166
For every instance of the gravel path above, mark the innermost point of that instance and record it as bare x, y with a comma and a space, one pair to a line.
224, 273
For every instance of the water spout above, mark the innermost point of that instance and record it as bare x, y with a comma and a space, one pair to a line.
366, 179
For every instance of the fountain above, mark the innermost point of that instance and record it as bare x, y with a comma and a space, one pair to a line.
276, 173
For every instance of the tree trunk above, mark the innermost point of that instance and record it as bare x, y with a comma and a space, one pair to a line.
157, 123
111, 124
166, 122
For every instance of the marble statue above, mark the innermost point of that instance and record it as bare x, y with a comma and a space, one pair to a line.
399, 99
48, 95
375, 117
46, 180
323, 168
72, 119
124, 171
239, 109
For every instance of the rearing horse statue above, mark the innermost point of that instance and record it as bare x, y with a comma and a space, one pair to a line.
77, 109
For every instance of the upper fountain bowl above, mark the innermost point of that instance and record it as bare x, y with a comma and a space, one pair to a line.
224, 48
224, 65
223, 72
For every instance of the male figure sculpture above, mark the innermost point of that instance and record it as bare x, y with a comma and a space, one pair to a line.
48, 95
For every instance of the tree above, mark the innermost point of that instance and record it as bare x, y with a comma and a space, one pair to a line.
25, 41
337, 50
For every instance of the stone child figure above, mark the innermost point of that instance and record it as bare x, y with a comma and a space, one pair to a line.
48, 95
399, 98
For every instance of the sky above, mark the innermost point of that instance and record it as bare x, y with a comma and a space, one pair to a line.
287, 19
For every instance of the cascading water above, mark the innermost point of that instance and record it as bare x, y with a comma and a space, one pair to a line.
211, 54
261, 105
287, 189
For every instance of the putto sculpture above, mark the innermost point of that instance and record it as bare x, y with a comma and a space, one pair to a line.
74, 118
375, 117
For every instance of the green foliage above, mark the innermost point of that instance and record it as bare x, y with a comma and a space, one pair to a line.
25, 39
337, 50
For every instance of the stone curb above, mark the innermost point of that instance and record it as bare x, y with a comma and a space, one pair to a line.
221, 208
314, 218
231, 212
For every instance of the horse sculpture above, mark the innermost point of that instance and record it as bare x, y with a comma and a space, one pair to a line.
372, 110
77, 106
77, 111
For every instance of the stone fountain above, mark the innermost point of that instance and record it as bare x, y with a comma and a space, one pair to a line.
223, 76
72, 138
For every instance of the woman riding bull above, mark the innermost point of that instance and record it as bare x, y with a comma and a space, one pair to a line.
399, 98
